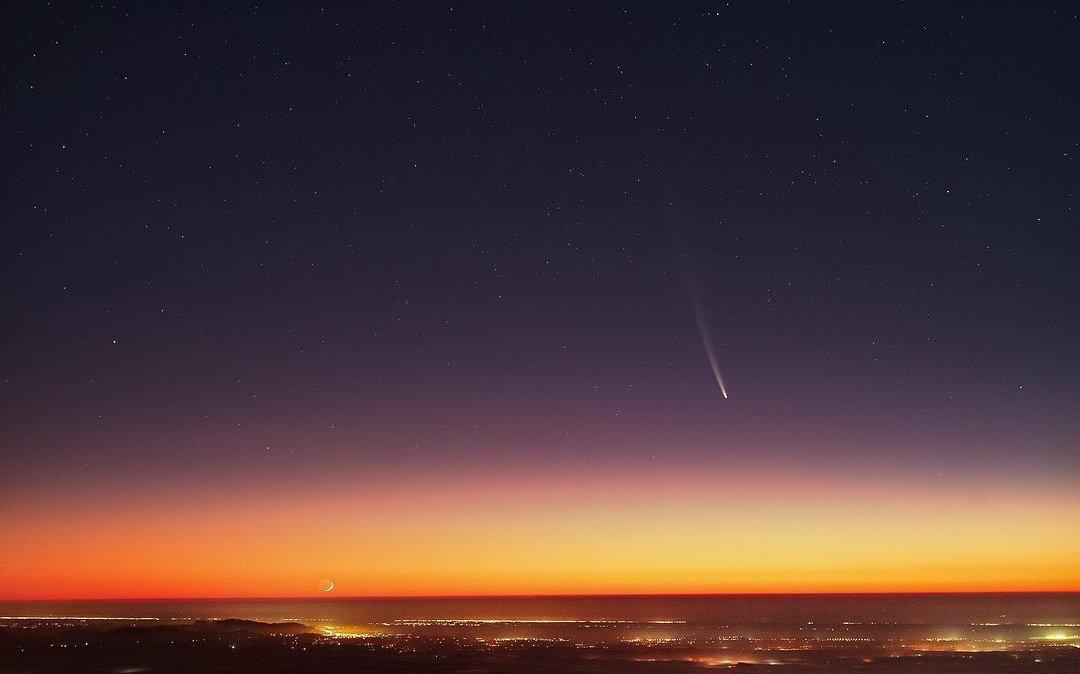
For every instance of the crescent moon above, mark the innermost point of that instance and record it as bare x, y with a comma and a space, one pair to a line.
328, 585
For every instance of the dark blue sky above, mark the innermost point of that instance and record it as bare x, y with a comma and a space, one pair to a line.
438, 238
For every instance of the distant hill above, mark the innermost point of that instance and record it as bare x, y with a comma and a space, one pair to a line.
227, 626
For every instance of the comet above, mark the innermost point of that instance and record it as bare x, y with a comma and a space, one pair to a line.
702, 321
697, 304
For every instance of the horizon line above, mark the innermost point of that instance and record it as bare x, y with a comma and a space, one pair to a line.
613, 595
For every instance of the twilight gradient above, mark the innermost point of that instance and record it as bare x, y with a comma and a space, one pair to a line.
390, 297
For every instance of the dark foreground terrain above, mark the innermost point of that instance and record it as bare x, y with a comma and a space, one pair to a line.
48, 645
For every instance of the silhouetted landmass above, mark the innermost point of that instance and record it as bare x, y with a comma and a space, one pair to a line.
37, 646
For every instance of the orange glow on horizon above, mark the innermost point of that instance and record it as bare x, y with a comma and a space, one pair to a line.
543, 537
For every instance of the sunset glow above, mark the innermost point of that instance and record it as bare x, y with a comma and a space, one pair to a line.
628, 532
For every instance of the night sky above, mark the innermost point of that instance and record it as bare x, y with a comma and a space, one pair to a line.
399, 296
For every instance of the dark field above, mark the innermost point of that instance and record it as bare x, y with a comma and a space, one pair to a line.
54, 645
